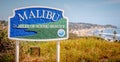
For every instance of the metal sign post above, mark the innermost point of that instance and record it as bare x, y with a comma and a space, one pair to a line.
17, 51
38, 23
58, 51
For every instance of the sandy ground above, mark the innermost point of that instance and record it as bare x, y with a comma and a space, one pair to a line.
85, 32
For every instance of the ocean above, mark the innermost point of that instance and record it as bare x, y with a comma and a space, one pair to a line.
108, 34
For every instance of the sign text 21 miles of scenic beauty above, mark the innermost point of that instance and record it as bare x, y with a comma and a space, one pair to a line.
38, 24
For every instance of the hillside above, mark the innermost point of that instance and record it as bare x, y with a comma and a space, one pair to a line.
80, 29
3, 22
75, 49
76, 25
88, 26
85, 49
86, 29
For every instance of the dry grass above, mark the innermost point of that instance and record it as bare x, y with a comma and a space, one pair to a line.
73, 50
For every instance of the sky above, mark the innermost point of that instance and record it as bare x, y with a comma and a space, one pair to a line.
88, 11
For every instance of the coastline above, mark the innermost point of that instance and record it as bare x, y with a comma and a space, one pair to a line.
85, 32
91, 32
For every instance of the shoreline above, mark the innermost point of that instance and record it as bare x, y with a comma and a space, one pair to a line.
85, 32
91, 32
88, 32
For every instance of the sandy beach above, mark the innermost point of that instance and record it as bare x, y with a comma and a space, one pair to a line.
85, 32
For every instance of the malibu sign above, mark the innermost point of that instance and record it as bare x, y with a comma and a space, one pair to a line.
38, 24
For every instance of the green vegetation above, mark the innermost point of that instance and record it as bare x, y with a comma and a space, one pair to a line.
75, 49
3, 22
88, 49
7, 48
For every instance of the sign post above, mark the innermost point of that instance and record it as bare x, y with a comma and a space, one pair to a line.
17, 51
58, 51
38, 24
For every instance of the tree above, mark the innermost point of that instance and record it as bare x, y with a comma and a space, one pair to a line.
101, 33
7, 47
114, 37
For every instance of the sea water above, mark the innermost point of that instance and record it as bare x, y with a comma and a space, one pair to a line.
108, 33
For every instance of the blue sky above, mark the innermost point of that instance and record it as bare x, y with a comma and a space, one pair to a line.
87, 11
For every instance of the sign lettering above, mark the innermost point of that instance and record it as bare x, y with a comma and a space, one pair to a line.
38, 24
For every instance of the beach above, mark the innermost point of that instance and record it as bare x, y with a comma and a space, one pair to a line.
85, 32
106, 33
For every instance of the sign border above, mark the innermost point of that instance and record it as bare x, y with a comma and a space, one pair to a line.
36, 39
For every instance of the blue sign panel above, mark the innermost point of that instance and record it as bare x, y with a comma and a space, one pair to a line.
38, 24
